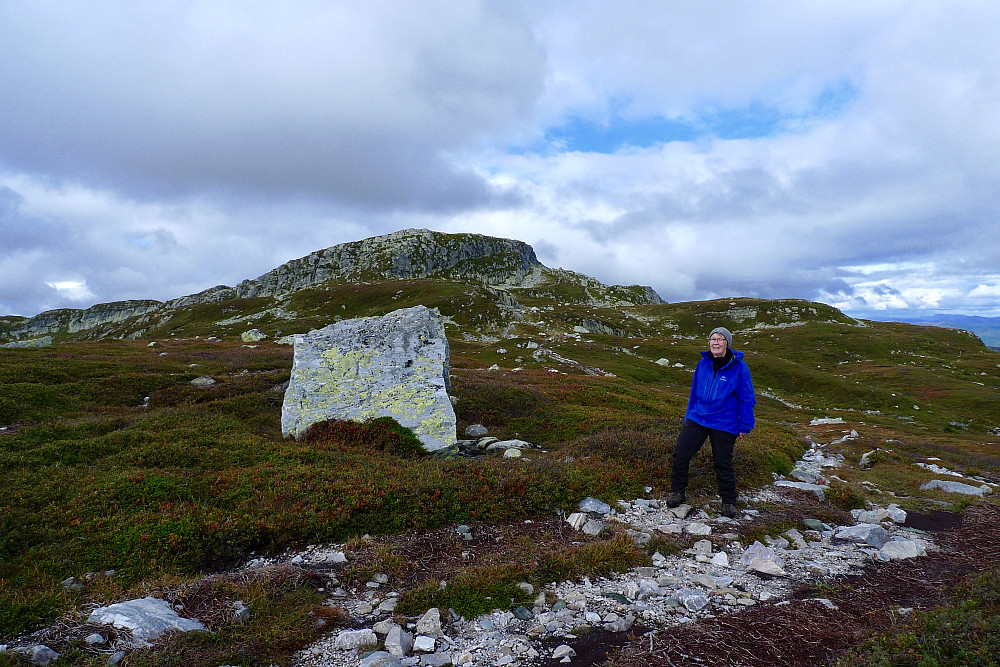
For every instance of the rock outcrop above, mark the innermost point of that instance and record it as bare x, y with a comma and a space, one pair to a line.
395, 365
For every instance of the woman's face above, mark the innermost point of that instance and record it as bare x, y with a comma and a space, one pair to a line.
717, 345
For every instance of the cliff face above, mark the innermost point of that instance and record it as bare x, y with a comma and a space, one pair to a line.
504, 264
69, 320
411, 253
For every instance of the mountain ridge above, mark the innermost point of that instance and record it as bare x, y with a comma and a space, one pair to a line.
494, 262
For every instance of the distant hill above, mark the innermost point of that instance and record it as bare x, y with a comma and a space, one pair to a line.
987, 328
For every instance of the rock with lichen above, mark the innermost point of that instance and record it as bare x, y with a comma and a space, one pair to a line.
369, 367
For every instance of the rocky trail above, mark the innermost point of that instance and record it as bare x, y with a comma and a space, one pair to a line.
801, 631
799, 599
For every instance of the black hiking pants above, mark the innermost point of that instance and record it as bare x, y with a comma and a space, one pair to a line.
690, 440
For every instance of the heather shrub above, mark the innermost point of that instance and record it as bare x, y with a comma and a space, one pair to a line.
382, 434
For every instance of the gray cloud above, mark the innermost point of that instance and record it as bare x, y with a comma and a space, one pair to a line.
354, 105
151, 152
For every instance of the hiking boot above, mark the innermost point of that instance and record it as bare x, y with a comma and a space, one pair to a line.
674, 499
728, 510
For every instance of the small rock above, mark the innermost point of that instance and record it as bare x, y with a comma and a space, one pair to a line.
873, 535
43, 655
380, 659
430, 623
698, 528
562, 651
353, 639
424, 644
593, 527
398, 642
691, 599
952, 487
594, 505
900, 549
523, 613
476, 431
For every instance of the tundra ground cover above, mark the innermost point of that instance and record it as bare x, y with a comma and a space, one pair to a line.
196, 479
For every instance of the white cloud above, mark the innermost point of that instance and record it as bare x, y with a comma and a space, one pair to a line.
74, 290
986, 291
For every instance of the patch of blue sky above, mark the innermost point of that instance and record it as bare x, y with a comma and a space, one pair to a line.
142, 242
754, 121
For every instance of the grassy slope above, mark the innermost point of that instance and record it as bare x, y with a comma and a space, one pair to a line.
201, 477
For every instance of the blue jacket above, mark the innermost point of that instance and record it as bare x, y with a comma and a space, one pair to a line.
724, 401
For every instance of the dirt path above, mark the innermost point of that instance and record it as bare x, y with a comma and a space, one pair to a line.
805, 631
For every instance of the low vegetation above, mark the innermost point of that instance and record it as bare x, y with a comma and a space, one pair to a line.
123, 476
965, 631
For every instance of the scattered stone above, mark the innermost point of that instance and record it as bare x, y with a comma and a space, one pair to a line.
476, 431
398, 642
563, 651
814, 524
430, 623
796, 538
662, 361
203, 381
435, 660
43, 655
240, 611
952, 487
380, 659
818, 421
691, 599
873, 535
72, 585
698, 528
523, 613
503, 445
671, 528
424, 644
593, 527
681, 511
354, 639
594, 505
253, 336
900, 549
818, 489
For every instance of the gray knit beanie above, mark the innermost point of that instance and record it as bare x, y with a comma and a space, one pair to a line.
725, 334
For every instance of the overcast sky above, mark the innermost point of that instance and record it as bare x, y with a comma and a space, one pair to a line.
844, 152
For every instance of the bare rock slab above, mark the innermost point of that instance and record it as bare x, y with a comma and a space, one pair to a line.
390, 366
147, 618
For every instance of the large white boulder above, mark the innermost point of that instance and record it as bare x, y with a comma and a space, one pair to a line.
146, 618
395, 365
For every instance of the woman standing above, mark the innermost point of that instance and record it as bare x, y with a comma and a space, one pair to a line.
720, 409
